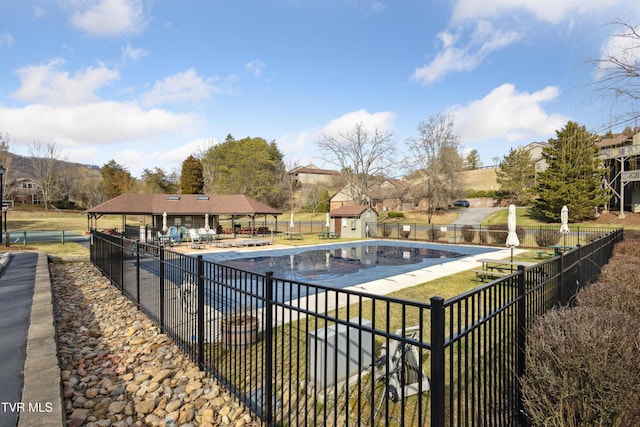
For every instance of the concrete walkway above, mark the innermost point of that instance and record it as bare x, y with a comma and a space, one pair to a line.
29, 371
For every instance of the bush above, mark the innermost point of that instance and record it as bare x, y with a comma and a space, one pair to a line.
404, 234
395, 215
623, 270
499, 232
546, 237
627, 247
582, 369
612, 297
434, 234
467, 233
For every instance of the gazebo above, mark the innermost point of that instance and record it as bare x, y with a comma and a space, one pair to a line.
188, 210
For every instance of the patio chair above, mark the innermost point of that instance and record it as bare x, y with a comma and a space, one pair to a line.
174, 236
204, 237
193, 235
184, 234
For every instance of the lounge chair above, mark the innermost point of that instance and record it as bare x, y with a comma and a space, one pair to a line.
184, 234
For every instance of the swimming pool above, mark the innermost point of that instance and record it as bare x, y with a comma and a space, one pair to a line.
345, 264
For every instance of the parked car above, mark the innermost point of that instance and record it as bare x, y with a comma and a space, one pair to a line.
461, 203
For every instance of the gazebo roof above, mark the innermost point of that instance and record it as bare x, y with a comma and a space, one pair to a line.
182, 204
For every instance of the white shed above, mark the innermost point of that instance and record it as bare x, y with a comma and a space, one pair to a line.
357, 221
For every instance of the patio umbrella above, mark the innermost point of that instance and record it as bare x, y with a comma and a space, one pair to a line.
564, 220
291, 224
206, 221
327, 221
164, 222
512, 237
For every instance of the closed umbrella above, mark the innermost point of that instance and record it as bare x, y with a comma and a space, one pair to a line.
327, 221
291, 223
564, 220
512, 237
206, 221
164, 222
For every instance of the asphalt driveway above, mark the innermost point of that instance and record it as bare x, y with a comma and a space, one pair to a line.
474, 216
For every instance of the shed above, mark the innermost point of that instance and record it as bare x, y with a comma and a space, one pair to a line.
357, 221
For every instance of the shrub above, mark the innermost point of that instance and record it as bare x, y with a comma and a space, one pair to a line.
467, 233
434, 234
582, 369
499, 233
623, 270
627, 247
611, 297
392, 214
404, 234
547, 237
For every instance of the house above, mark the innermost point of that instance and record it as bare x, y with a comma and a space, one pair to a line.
535, 152
312, 175
24, 190
621, 156
387, 195
355, 221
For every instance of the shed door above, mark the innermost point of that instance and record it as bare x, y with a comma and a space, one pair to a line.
337, 226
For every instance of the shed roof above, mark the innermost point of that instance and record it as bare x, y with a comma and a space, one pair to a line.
182, 204
349, 211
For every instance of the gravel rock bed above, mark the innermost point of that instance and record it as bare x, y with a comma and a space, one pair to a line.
119, 370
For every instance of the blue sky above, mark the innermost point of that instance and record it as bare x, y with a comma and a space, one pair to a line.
149, 82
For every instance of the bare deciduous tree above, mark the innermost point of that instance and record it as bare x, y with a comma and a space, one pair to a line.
49, 172
618, 70
360, 155
436, 153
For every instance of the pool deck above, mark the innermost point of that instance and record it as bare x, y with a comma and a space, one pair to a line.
389, 284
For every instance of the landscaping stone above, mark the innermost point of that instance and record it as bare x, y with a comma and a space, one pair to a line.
117, 369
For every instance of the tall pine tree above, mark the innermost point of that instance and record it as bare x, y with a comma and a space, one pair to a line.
573, 177
191, 178
516, 175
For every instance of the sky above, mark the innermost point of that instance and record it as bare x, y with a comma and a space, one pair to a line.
149, 82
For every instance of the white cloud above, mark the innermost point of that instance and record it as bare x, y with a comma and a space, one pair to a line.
301, 148
46, 84
484, 40
38, 12
97, 123
551, 11
381, 121
109, 17
6, 39
621, 47
508, 115
132, 54
184, 86
255, 67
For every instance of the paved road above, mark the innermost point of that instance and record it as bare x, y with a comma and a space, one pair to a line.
474, 216
16, 293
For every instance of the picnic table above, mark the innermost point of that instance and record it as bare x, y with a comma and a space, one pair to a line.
327, 235
291, 235
495, 268
558, 249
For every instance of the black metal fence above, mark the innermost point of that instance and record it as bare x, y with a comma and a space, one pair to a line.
304, 354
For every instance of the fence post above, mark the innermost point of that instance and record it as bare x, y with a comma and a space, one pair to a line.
162, 330
200, 269
138, 275
437, 361
522, 342
268, 347
561, 279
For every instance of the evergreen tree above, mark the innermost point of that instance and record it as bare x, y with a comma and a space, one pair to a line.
473, 159
516, 175
249, 166
116, 180
573, 178
191, 178
156, 180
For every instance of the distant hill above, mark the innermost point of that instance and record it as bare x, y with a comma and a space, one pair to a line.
20, 166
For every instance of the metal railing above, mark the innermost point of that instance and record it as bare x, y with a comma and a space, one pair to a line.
302, 354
